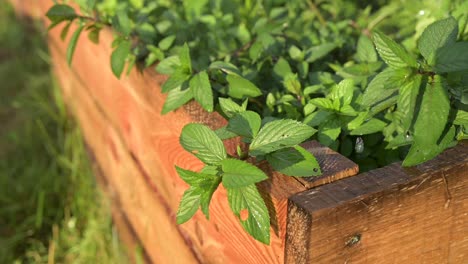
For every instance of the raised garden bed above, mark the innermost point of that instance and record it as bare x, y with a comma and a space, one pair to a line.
388, 215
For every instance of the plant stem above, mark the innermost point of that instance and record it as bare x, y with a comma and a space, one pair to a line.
314, 8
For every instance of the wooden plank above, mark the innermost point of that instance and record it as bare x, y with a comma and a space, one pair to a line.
388, 215
125, 113
147, 213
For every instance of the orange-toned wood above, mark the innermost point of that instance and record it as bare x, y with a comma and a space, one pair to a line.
388, 215
137, 149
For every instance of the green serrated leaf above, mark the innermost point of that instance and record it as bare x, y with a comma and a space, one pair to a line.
295, 161
61, 12
365, 50
452, 58
461, 118
430, 123
318, 52
246, 124
280, 134
169, 65
230, 108
329, 131
420, 153
407, 100
185, 60
226, 67
249, 199
240, 87
433, 114
238, 173
202, 92
203, 143
119, 56
357, 122
392, 53
292, 84
188, 205
166, 42
176, 98
72, 45
282, 69
93, 34
343, 92
323, 103
64, 32
377, 90
372, 126
177, 79
439, 34
122, 22
223, 133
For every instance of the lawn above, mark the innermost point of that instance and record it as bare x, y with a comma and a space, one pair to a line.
51, 210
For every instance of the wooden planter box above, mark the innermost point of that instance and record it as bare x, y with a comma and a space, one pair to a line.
388, 215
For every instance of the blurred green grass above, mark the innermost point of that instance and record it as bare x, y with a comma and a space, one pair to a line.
50, 208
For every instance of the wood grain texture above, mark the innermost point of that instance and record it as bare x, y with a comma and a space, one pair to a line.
388, 215
334, 166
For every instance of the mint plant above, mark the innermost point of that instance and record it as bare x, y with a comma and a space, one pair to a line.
286, 71
275, 142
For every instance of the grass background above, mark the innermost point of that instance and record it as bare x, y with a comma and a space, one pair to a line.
50, 208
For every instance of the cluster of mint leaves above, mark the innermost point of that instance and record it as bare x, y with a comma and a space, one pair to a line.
276, 142
297, 60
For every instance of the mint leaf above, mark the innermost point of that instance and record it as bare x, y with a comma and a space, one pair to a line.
318, 52
294, 161
168, 65
166, 42
323, 103
279, 134
258, 220
230, 108
240, 87
185, 60
66, 28
372, 126
203, 143
119, 56
72, 45
282, 68
461, 118
194, 178
452, 58
430, 123
202, 92
433, 114
188, 205
226, 67
176, 98
177, 79
377, 90
238, 173
204, 183
246, 124
407, 100
365, 50
419, 153
61, 12
223, 133
329, 131
439, 34
122, 23
392, 53
343, 92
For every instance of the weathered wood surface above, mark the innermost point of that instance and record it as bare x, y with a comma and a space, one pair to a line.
388, 215
136, 149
